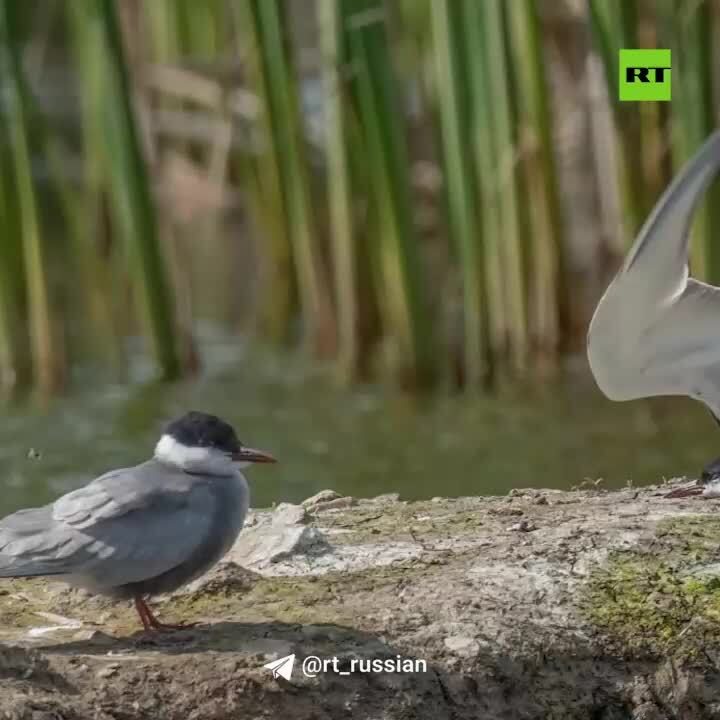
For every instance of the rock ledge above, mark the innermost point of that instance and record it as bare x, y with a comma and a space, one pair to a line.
542, 604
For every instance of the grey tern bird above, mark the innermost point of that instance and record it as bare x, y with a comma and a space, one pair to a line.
656, 330
144, 530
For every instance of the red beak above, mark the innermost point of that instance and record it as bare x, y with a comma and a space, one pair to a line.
252, 455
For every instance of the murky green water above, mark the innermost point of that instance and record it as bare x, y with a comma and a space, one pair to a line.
362, 442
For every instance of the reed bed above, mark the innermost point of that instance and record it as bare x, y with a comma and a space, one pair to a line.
399, 166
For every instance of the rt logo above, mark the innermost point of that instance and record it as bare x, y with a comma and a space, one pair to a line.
645, 75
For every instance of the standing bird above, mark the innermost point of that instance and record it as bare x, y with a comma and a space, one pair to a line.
656, 331
144, 530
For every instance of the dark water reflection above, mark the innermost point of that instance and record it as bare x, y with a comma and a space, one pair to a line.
365, 441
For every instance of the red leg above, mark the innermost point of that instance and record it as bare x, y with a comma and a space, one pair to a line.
142, 608
150, 622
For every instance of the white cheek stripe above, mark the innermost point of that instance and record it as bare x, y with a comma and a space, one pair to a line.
171, 451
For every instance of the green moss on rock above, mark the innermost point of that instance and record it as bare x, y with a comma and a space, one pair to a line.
655, 599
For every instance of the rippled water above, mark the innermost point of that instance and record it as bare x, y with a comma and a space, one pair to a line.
361, 442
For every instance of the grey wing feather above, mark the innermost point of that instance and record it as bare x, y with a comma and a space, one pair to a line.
656, 331
123, 527
22, 533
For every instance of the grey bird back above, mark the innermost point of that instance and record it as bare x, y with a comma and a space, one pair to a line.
126, 527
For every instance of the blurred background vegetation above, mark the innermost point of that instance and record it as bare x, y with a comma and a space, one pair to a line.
429, 193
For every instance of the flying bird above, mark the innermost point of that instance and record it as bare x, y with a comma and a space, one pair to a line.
144, 530
656, 330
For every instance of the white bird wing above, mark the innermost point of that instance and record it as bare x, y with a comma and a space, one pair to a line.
656, 331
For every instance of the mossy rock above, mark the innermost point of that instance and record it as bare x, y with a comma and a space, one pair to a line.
663, 598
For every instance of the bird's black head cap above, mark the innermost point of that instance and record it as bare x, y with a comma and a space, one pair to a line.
198, 429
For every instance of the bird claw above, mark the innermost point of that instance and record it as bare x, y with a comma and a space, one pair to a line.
151, 623
159, 633
172, 627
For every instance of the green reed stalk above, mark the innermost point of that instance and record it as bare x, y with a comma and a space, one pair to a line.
202, 28
126, 173
261, 174
47, 356
163, 29
548, 298
483, 147
339, 190
282, 188
506, 152
98, 284
687, 29
15, 369
84, 208
282, 86
452, 58
133, 191
614, 25
404, 315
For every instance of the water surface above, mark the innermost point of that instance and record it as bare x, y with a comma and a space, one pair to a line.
364, 441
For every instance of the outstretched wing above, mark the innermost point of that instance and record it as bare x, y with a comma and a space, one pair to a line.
124, 527
656, 331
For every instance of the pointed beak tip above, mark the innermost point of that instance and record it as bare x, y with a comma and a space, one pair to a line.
252, 455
